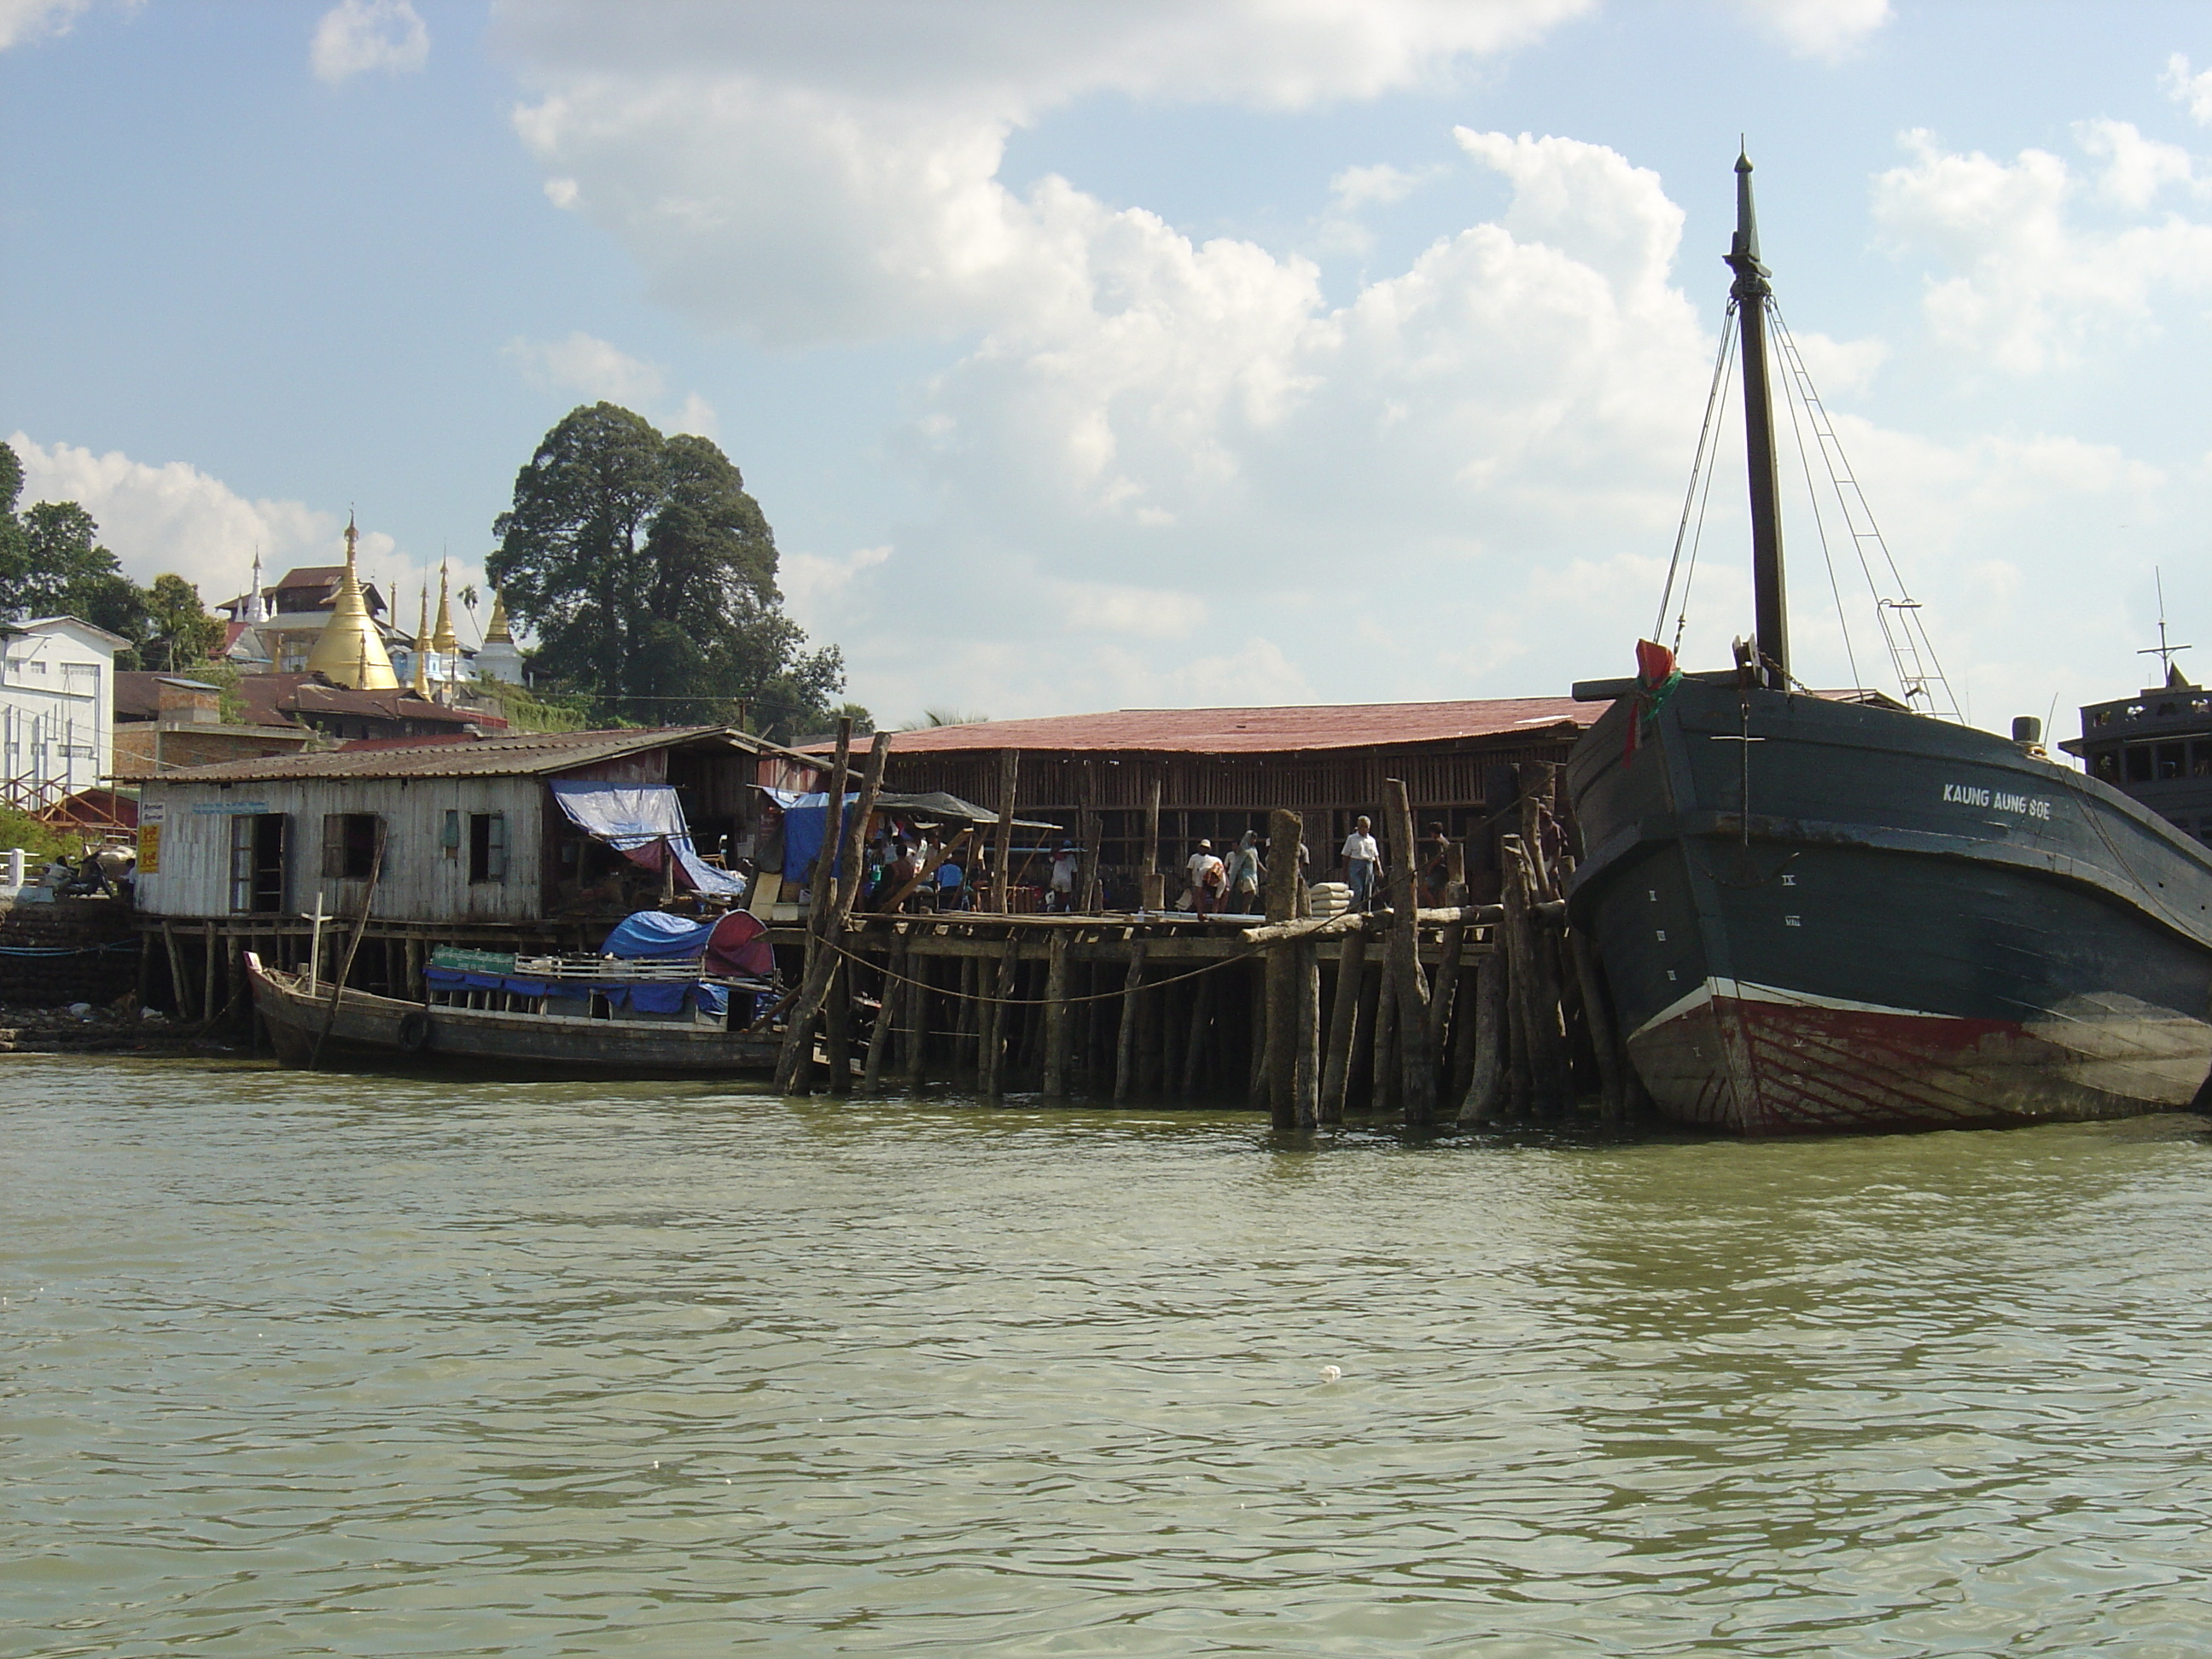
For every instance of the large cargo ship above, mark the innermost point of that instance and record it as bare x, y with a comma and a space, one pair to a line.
1822, 912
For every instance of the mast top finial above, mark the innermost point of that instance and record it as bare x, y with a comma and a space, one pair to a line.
1743, 247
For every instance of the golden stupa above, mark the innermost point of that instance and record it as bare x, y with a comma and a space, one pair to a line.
498, 632
351, 651
422, 652
442, 640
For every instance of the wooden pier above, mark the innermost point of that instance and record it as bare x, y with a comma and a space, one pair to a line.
1463, 1013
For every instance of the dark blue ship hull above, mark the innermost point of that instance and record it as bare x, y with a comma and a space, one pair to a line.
1864, 919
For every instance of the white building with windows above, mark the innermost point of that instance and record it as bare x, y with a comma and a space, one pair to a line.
56, 709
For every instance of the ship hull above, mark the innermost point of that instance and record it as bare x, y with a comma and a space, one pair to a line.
1818, 916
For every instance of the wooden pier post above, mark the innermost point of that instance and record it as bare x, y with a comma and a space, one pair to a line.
917, 1056
1360, 1073
1278, 1069
887, 1003
1152, 889
1612, 1062
1056, 1015
1124, 1042
1194, 1045
1416, 1057
1002, 848
1383, 1075
1305, 1065
798, 1033
837, 1027
822, 891
1485, 1086
1343, 1024
995, 1045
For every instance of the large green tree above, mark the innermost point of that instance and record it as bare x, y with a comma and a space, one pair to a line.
182, 634
648, 574
51, 563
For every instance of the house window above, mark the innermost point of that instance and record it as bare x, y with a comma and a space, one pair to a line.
2139, 764
257, 864
349, 841
2170, 761
487, 847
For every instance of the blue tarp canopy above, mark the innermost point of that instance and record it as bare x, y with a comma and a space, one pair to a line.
657, 933
644, 822
805, 815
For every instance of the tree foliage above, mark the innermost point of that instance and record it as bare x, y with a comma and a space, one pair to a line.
181, 632
648, 574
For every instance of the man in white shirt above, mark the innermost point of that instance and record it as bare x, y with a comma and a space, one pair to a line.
1360, 856
1208, 879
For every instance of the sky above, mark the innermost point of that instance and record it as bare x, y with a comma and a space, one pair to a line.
1152, 352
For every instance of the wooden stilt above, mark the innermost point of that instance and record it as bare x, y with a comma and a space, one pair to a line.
210, 966
1343, 1020
799, 1035
1305, 1065
1359, 1073
1382, 1088
1057, 1024
916, 1055
1416, 1057
1461, 1069
1002, 846
968, 1021
1152, 1046
1124, 1043
837, 1028
879, 1035
994, 1051
1193, 1048
1151, 885
1485, 1088
179, 987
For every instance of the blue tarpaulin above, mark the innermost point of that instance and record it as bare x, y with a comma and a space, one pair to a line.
804, 816
638, 820
657, 933
649, 997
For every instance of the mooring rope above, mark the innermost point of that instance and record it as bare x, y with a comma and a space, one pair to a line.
1245, 955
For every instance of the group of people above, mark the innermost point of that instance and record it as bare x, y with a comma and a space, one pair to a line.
1232, 886
907, 871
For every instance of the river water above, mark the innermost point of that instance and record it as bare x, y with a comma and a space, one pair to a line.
352, 1366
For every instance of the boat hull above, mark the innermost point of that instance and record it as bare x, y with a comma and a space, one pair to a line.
1818, 916
367, 1027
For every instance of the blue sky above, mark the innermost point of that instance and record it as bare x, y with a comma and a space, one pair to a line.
1096, 355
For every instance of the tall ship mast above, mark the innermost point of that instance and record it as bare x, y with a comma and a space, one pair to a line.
1824, 911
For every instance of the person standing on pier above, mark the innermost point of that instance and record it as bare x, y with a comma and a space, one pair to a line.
1245, 874
1062, 894
1360, 857
1208, 879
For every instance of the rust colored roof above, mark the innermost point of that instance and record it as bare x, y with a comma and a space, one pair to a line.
519, 754
1287, 730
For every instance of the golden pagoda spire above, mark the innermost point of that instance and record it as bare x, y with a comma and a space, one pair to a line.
422, 647
441, 638
498, 632
351, 651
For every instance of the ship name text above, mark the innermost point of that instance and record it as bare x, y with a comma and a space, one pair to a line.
1972, 794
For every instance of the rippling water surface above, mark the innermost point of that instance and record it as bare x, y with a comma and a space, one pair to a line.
340, 1365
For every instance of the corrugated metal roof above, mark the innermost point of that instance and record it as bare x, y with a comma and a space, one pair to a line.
520, 753
1252, 731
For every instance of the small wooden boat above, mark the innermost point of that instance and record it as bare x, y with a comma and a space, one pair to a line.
596, 1034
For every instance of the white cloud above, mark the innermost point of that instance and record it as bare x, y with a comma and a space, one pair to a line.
585, 364
1831, 29
829, 172
2135, 167
818, 588
173, 517
355, 36
22, 21
2033, 284
2193, 92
